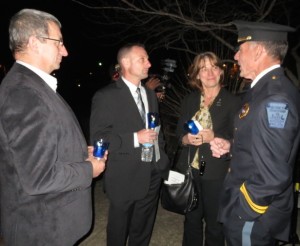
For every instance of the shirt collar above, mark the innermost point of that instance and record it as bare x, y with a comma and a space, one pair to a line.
258, 77
131, 86
49, 79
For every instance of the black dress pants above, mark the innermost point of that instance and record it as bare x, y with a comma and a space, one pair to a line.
134, 220
206, 214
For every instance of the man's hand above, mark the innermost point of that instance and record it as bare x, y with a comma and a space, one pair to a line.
97, 163
146, 136
219, 147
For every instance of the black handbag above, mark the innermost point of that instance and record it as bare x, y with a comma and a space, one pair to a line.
181, 198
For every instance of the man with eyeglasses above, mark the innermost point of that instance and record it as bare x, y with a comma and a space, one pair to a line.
46, 168
60, 42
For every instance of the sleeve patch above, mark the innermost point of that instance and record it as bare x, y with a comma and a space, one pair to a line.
277, 114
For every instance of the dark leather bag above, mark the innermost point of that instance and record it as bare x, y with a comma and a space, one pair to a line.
180, 198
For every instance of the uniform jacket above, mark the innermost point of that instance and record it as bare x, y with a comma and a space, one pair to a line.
115, 116
222, 112
45, 181
260, 185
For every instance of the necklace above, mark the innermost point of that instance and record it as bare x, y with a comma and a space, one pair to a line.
208, 101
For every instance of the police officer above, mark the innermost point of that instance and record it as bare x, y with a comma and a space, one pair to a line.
257, 199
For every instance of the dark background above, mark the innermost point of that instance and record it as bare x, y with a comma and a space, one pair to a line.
84, 53
80, 74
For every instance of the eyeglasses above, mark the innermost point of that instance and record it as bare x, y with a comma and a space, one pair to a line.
60, 41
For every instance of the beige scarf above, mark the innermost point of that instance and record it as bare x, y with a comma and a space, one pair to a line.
204, 118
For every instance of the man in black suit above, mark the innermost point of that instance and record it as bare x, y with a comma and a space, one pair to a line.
132, 185
257, 200
46, 169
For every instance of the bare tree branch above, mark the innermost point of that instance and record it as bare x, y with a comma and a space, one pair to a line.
185, 27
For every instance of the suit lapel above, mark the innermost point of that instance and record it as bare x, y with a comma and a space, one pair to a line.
55, 100
151, 103
128, 100
76, 123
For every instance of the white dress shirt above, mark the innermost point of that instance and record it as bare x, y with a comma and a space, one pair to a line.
132, 89
49, 79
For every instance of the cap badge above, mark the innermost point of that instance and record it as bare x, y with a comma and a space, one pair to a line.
243, 39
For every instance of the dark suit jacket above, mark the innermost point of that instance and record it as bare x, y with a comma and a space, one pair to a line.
45, 181
263, 157
115, 116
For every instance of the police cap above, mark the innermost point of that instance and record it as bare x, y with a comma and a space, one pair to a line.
260, 31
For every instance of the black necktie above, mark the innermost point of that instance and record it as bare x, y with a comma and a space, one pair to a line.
140, 104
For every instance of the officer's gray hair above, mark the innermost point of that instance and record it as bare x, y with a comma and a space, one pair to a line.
275, 49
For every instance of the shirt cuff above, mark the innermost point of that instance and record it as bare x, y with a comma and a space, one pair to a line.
135, 140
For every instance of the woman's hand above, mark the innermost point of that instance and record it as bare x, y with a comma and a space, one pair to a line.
203, 136
207, 135
191, 139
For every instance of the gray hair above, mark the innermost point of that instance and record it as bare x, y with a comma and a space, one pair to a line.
26, 23
275, 49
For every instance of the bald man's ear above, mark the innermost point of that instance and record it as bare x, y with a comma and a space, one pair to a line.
125, 62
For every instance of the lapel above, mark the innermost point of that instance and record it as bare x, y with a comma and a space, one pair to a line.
127, 99
151, 104
55, 101
195, 104
74, 121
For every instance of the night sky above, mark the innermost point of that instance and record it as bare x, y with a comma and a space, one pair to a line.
81, 66
74, 26
85, 50
80, 76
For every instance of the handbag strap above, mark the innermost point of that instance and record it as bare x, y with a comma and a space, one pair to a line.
189, 163
189, 157
189, 170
